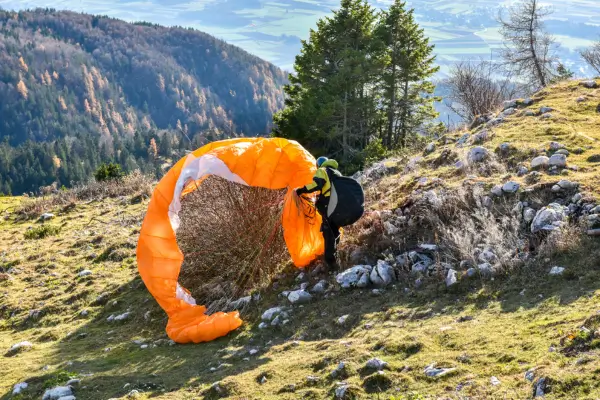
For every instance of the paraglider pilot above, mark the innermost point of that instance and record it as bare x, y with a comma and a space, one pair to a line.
322, 183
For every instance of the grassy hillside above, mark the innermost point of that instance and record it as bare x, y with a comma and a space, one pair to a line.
491, 330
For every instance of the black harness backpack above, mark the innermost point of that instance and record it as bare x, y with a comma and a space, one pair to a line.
346, 200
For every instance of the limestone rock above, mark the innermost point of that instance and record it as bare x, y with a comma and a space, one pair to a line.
557, 271
589, 84
383, 274
357, 276
549, 218
376, 364
477, 154
511, 187
451, 278
57, 392
299, 297
558, 160
540, 162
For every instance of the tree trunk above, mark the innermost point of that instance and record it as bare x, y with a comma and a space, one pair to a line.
404, 115
392, 105
536, 61
345, 128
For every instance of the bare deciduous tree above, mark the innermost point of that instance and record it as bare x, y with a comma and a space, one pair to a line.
592, 56
528, 48
476, 88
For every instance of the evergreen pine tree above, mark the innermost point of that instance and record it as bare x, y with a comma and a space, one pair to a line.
408, 63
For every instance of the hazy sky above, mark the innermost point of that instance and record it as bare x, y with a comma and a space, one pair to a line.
272, 29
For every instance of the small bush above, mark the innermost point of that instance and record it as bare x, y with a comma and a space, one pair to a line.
232, 240
108, 172
42, 231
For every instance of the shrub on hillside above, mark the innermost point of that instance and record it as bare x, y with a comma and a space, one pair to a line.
136, 185
232, 240
42, 231
108, 172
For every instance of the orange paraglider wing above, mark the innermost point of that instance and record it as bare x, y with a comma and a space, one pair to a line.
272, 163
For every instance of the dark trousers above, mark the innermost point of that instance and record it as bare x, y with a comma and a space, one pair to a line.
331, 233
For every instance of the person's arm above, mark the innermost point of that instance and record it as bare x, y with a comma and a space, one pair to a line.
316, 185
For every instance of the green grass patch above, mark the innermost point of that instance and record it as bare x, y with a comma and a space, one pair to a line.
42, 232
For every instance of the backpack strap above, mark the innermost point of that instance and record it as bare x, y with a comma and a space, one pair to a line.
331, 173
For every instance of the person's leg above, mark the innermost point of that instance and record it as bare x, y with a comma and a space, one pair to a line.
331, 235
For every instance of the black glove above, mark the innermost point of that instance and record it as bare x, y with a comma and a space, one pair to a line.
301, 191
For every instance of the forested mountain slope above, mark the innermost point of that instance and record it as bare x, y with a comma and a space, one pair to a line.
66, 76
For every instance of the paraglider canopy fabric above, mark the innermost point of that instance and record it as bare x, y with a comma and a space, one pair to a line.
272, 163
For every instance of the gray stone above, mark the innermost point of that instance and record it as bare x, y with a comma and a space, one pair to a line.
451, 278
341, 390
271, 313
67, 398
85, 272
477, 154
357, 276
420, 268
459, 165
554, 146
21, 345
529, 113
320, 287
511, 187
428, 247
558, 160
497, 191
557, 271
487, 256
546, 116
540, 162
485, 269
541, 387
495, 121
546, 218
507, 112
57, 392
504, 147
241, 303
581, 99
494, 381
471, 272
567, 185
19, 388
301, 277
509, 104
544, 110
299, 297
339, 370
433, 372
527, 102
72, 382
342, 320
482, 136
122, 317
590, 84
376, 364
430, 148
390, 229
263, 325
576, 198
528, 214
46, 216
563, 151
530, 375
382, 274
